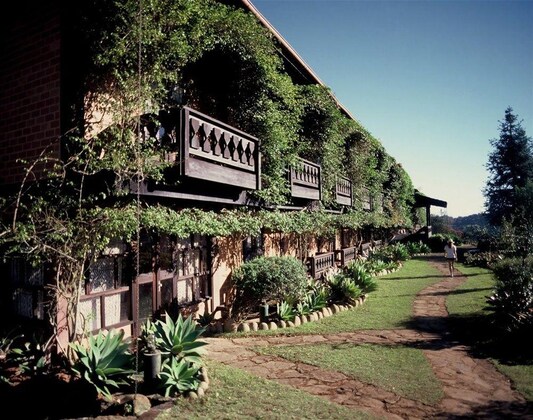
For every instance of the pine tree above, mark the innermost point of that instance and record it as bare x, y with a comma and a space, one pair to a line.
510, 168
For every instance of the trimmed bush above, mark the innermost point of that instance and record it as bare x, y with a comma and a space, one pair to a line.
266, 279
512, 300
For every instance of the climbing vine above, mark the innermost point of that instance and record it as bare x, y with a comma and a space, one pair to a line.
69, 217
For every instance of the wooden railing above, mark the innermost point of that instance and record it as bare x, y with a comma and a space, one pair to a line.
343, 191
366, 249
318, 264
304, 178
366, 199
213, 151
345, 255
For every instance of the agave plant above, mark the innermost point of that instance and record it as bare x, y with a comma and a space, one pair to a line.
179, 338
178, 377
317, 299
302, 308
360, 276
285, 311
105, 361
343, 289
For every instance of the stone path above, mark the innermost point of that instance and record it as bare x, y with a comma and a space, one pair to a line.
473, 388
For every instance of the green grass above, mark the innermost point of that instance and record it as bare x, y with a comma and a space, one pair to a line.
468, 312
236, 394
389, 307
521, 377
402, 370
469, 299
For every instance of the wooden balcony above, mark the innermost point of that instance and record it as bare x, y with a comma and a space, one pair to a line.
345, 255
213, 151
343, 191
366, 200
319, 264
304, 179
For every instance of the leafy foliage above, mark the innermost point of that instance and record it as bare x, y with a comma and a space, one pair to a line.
343, 289
285, 311
178, 376
180, 339
83, 202
512, 300
266, 279
105, 361
362, 278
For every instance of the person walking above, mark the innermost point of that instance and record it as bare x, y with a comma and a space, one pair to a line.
450, 253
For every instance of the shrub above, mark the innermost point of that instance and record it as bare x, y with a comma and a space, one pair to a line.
180, 338
391, 253
8, 349
399, 252
512, 300
105, 361
285, 311
178, 377
265, 279
437, 242
317, 299
33, 356
362, 278
481, 259
417, 248
343, 289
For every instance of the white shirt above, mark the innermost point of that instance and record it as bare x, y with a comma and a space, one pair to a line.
450, 251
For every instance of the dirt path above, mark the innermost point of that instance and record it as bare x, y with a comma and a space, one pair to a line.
473, 388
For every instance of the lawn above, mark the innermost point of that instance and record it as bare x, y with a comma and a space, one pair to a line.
468, 312
235, 394
406, 371
402, 370
389, 307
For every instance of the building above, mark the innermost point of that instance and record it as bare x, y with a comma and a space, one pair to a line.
241, 125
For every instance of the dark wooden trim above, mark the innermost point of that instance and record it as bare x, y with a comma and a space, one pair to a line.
345, 255
344, 191
227, 155
318, 264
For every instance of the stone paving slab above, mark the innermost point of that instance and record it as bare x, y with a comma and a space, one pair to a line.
473, 388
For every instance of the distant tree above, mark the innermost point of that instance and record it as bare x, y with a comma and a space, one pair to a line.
511, 166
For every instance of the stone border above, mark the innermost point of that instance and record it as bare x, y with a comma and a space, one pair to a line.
247, 326
229, 325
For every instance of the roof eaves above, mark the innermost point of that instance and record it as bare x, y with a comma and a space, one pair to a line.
293, 54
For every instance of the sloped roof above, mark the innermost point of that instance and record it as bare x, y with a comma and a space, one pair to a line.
422, 200
289, 54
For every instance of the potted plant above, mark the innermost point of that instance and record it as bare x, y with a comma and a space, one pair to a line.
151, 356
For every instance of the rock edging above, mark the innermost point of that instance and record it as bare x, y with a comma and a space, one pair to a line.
229, 325
246, 326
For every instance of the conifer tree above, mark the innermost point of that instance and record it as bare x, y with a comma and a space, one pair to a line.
510, 168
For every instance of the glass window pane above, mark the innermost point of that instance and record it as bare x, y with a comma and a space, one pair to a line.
89, 316
112, 309
102, 275
145, 300
125, 306
166, 292
165, 254
146, 254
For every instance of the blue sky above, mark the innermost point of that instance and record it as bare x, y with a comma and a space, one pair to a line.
430, 79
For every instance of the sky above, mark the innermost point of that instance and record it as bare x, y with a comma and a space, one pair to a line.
430, 79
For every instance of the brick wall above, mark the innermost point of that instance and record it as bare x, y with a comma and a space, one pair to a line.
29, 86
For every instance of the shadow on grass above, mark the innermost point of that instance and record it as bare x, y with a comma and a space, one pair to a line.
459, 291
408, 277
496, 410
479, 333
